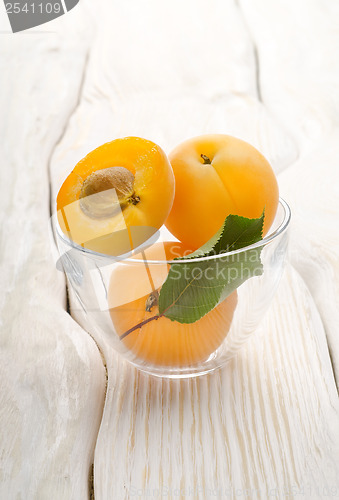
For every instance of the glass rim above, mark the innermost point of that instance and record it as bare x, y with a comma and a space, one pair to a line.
261, 243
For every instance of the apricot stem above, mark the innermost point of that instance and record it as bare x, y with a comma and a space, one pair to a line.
134, 199
152, 300
206, 159
139, 325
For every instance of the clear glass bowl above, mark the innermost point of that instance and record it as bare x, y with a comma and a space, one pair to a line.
110, 295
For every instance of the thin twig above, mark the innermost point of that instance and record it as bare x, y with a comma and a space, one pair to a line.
139, 325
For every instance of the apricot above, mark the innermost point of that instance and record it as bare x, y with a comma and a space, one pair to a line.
117, 196
218, 175
133, 299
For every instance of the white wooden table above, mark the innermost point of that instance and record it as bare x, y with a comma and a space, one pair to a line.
267, 424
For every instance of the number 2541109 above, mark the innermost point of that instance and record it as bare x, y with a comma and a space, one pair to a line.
32, 8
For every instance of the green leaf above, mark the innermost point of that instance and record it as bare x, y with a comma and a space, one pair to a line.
192, 289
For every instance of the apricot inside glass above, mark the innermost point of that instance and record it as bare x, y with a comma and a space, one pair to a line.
117, 196
218, 175
133, 298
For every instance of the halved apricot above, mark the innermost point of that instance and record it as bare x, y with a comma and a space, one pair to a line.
117, 196
218, 175
133, 298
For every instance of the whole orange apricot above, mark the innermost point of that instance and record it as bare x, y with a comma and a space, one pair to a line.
117, 196
218, 175
133, 299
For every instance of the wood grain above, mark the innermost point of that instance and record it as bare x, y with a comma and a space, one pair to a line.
52, 380
266, 424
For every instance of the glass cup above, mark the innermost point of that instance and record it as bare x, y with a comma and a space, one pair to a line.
115, 300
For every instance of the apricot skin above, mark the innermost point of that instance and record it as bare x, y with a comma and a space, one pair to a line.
153, 187
239, 181
164, 342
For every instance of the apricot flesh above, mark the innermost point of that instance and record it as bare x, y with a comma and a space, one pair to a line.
117, 196
217, 175
162, 342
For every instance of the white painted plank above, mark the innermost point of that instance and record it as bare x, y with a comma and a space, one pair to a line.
314, 198
296, 43
52, 380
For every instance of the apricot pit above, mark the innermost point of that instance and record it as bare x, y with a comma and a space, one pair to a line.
106, 191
